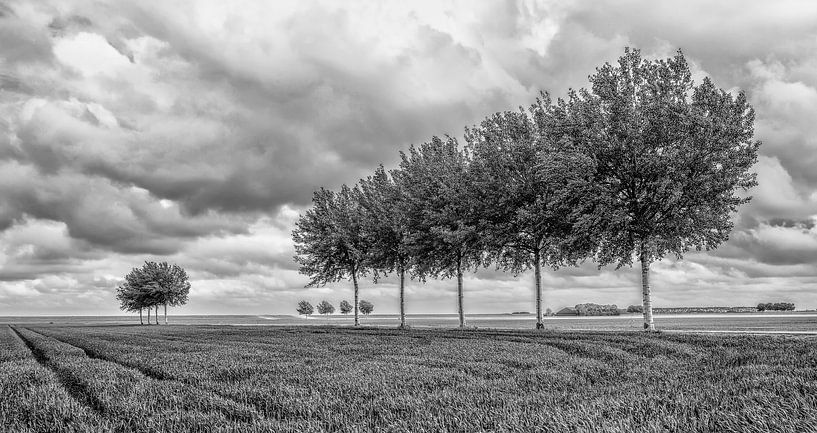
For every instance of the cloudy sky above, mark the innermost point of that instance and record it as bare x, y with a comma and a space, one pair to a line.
195, 132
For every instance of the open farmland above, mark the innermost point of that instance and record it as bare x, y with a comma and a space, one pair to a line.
219, 378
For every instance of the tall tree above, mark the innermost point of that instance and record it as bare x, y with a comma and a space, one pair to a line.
443, 236
386, 229
670, 158
527, 219
329, 242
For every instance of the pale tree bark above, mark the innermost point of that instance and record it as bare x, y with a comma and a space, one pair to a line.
402, 297
537, 275
459, 293
165, 314
156, 314
354, 281
649, 325
140, 317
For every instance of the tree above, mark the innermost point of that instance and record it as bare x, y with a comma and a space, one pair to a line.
527, 218
386, 228
152, 285
366, 307
345, 307
668, 158
443, 236
329, 243
325, 308
305, 308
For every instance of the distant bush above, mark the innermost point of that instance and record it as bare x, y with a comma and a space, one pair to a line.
366, 307
305, 308
326, 308
635, 309
775, 306
597, 310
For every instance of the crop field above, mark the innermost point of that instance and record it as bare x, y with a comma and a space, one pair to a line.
223, 378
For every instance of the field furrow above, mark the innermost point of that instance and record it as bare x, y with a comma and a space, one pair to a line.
33, 398
135, 402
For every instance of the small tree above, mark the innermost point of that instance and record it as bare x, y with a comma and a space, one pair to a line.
345, 307
305, 308
366, 307
325, 308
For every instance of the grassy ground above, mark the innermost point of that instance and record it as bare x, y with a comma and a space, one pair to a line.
191, 378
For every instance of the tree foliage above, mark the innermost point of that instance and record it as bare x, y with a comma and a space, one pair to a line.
345, 307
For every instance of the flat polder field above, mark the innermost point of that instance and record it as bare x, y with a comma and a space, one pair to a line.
226, 378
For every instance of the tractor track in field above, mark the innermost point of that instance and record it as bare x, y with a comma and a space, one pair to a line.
258, 409
76, 390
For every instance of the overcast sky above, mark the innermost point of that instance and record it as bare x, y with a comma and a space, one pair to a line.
195, 132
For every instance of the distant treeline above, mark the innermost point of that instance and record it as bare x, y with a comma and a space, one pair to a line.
775, 306
682, 310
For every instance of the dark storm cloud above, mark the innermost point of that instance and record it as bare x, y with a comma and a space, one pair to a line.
197, 132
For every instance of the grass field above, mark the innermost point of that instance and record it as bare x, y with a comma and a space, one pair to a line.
218, 378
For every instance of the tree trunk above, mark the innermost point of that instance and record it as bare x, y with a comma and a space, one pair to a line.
140, 317
537, 275
354, 281
459, 294
156, 314
165, 313
149, 315
649, 325
402, 298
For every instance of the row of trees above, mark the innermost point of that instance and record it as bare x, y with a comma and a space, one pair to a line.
324, 307
151, 286
642, 164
